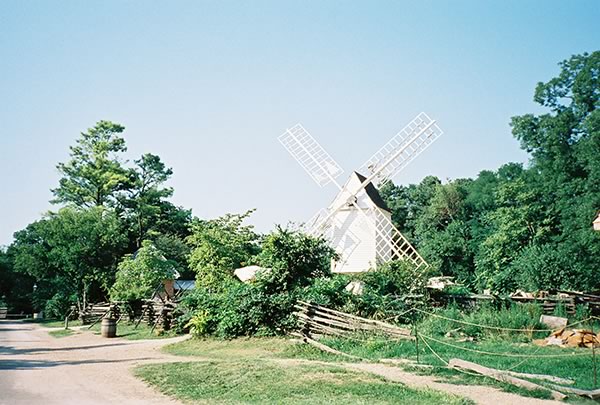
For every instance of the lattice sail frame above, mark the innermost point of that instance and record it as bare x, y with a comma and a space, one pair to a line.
319, 165
391, 244
406, 145
323, 224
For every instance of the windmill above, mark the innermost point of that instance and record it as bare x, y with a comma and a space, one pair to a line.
357, 223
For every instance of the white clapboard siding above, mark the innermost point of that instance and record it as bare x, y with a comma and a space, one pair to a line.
354, 236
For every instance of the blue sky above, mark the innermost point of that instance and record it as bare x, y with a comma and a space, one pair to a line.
209, 86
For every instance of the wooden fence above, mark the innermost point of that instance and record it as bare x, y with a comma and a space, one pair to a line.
316, 321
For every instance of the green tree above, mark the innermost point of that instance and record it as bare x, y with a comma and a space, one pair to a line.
145, 198
73, 252
94, 174
219, 246
139, 275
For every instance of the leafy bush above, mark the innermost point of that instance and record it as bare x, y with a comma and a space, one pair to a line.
294, 260
263, 307
389, 292
58, 306
240, 310
219, 246
138, 275
327, 291
198, 324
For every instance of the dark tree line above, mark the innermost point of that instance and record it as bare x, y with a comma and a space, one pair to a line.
521, 227
108, 207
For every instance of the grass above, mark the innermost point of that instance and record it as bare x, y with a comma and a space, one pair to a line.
577, 363
256, 348
375, 348
264, 382
53, 323
128, 331
59, 333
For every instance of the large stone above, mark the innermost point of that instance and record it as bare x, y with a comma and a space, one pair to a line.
554, 322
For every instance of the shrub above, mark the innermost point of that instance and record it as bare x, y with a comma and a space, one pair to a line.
198, 324
139, 275
295, 259
389, 292
327, 291
219, 246
58, 306
240, 309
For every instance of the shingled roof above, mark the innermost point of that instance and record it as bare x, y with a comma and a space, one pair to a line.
373, 193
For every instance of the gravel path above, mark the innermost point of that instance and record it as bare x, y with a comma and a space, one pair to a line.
84, 368
480, 394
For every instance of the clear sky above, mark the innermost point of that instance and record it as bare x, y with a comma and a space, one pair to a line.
209, 86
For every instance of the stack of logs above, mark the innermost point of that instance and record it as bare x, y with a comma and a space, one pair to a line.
94, 312
571, 338
159, 314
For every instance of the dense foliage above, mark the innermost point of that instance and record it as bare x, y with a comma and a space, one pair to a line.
71, 254
138, 275
264, 306
219, 246
109, 207
517, 227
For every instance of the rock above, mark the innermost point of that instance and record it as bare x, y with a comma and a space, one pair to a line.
554, 322
355, 287
247, 274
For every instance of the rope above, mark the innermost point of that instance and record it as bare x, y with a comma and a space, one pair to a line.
516, 355
432, 351
498, 327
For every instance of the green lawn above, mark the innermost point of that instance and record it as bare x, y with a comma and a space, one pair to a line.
128, 331
263, 382
575, 364
53, 323
372, 348
241, 348
61, 333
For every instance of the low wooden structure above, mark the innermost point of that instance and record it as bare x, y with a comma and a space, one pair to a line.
316, 320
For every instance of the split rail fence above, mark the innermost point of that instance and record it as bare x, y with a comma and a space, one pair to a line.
316, 320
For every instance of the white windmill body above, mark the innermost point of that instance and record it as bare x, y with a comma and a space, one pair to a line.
357, 224
350, 234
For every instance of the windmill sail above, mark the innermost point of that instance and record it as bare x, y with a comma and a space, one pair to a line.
406, 145
319, 165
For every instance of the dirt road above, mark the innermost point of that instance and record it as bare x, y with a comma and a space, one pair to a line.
36, 368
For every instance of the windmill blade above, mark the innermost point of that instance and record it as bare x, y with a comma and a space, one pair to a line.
339, 236
401, 149
391, 244
317, 225
319, 165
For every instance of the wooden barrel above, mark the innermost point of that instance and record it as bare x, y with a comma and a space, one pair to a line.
108, 328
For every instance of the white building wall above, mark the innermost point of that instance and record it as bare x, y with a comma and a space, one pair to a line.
353, 240
354, 236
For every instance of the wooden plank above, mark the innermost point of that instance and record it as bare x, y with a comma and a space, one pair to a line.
328, 349
592, 394
543, 377
328, 321
501, 376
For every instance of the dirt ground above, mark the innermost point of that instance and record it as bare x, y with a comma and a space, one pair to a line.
84, 368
